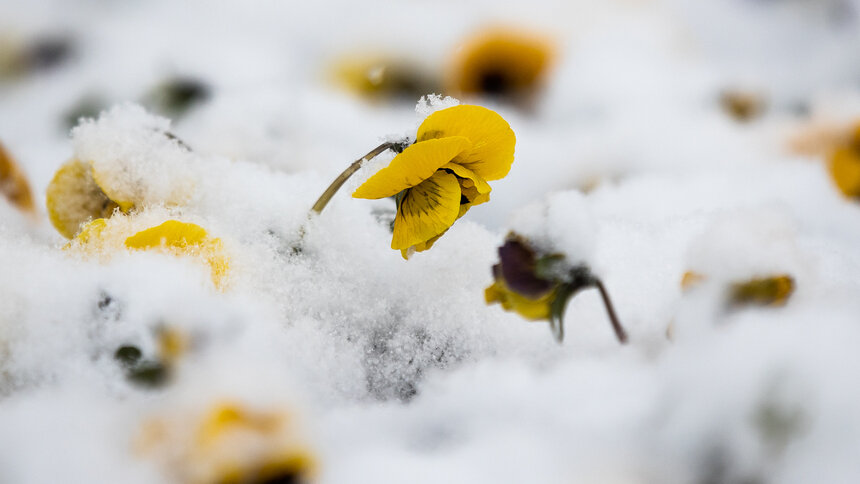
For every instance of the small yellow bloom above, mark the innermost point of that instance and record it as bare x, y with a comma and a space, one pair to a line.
845, 165
378, 77
103, 236
231, 443
437, 179
503, 63
763, 291
14, 185
760, 291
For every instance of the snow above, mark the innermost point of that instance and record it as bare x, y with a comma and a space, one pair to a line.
396, 371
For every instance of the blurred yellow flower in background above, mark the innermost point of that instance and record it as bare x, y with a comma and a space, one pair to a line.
844, 164
383, 77
437, 179
772, 290
230, 443
503, 63
14, 185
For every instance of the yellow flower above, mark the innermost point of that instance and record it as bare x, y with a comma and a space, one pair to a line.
378, 77
103, 236
230, 443
763, 291
771, 290
74, 198
538, 309
845, 165
502, 63
13, 183
537, 285
437, 179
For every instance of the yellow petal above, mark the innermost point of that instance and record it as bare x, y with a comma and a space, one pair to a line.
475, 180
426, 210
172, 233
13, 183
185, 238
492, 151
73, 198
531, 309
416, 164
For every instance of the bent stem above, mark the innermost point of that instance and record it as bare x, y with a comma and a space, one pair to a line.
620, 333
343, 177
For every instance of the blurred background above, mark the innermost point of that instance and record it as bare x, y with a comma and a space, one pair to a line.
597, 89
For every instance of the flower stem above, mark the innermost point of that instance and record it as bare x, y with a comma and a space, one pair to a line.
616, 325
343, 177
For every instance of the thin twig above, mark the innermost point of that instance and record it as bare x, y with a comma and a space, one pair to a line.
616, 325
343, 177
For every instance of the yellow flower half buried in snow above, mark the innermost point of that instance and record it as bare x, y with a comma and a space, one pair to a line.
172, 237
437, 179
231, 444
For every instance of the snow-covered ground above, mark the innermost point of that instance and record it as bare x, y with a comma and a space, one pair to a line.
326, 348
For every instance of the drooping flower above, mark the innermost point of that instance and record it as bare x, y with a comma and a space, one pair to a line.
14, 185
537, 285
503, 63
436, 180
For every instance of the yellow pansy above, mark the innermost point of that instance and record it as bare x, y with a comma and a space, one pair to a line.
499, 62
103, 236
230, 443
845, 165
74, 197
537, 285
538, 309
437, 179
13, 183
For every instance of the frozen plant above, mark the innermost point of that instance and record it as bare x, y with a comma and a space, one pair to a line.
438, 178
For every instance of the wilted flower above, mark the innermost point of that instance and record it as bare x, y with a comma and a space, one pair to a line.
231, 443
13, 183
437, 179
502, 63
538, 285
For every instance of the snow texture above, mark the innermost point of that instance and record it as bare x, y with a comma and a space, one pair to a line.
396, 371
